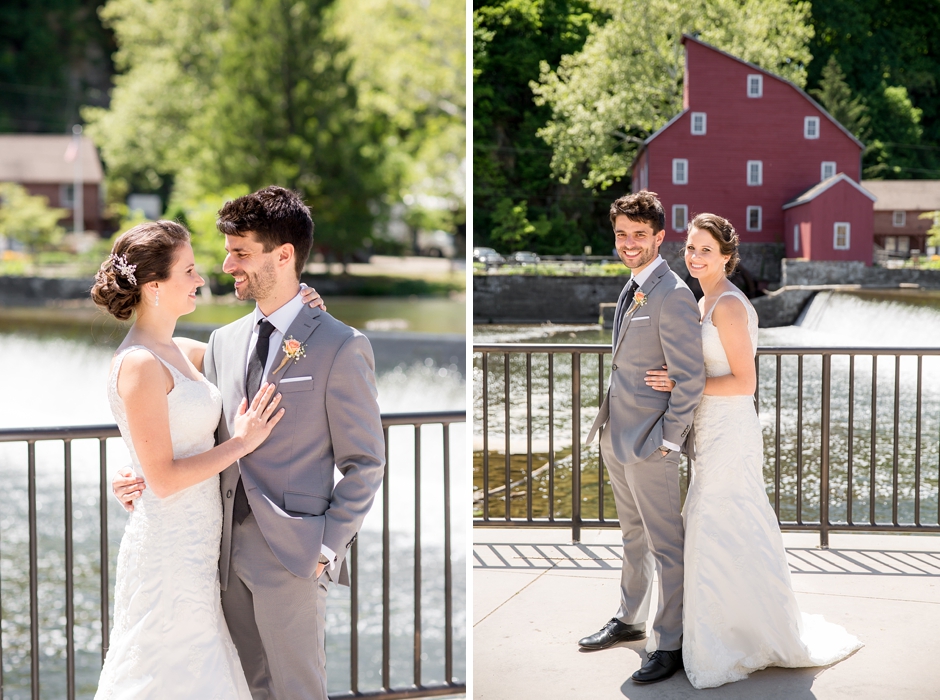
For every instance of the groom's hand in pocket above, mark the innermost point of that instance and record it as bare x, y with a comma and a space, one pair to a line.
127, 488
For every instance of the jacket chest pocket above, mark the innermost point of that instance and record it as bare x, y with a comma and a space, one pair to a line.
640, 321
290, 384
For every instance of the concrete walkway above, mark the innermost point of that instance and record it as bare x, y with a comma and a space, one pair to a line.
535, 594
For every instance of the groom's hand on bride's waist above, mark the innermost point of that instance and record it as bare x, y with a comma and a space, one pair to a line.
127, 488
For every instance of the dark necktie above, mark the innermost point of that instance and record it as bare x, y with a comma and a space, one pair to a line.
241, 508
622, 309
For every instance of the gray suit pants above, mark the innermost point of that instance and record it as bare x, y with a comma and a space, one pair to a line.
648, 506
276, 620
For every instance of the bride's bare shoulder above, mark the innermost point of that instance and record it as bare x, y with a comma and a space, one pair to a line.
730, 310
139, 370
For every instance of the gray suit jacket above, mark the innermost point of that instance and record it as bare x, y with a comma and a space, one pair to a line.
664, 331
332, 418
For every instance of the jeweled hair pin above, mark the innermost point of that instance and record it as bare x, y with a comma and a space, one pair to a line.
125, 270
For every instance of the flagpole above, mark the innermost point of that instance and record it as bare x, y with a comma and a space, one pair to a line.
78, 189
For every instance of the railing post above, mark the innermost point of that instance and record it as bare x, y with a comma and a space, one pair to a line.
103, 545
575, 447
33, 573
69, 578
824, 452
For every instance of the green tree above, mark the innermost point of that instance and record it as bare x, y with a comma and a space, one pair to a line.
28, 218
627, 80
408, 63
284, 111
242, 94
888, 53
513, 230
54, 57
835, 95
510, 161
168, 55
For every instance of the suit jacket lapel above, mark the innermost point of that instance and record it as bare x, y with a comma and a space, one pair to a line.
303, 325
646, 288
619, 311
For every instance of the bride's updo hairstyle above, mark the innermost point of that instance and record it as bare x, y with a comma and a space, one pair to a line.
140, 255
723, 232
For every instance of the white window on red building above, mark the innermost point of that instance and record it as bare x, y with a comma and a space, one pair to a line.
841, 235
699, 123
755, 85
796, 238
753, 218
680, 171
645, 176
811, 127
899, 218
680, 217
827, 169
755, 172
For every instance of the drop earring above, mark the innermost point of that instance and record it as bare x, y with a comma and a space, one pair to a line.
157, 299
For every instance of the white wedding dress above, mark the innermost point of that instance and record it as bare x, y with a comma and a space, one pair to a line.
169, 638
740, 613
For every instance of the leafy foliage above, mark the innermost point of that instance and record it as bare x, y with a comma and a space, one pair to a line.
835, 95
510, 162
889, 54
408, 62
28, 218
54, 56
220, 97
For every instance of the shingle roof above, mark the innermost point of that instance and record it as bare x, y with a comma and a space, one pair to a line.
821, 187
905, 195
40, 158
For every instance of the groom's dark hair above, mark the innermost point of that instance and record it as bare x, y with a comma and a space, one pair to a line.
276, 215
642, 206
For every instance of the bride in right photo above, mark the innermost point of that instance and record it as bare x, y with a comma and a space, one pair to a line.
739, 613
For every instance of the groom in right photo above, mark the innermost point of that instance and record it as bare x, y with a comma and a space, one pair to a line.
643, 433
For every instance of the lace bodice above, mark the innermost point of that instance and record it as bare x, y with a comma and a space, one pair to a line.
716, 360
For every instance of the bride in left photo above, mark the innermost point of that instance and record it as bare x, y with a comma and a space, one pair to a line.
233, 287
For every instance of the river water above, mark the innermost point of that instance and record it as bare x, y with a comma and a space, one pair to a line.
884, 319
53, 365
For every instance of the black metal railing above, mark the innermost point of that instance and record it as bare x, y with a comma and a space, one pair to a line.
449, 684
815, 434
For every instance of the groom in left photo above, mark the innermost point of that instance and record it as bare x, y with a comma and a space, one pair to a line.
286, 527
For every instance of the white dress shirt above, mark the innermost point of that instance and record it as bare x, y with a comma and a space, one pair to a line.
640, 280
281, 319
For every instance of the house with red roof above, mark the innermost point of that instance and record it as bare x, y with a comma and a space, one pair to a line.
756, 149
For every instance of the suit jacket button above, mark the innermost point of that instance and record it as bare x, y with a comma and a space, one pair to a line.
614, 367
228, 494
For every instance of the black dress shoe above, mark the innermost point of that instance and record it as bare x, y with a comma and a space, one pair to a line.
613, 632
661, 665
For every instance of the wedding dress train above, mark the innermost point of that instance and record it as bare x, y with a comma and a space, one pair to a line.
170, 639
740, 613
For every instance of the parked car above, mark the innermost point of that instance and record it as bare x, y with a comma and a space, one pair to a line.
524, 257
436, 244
488, 256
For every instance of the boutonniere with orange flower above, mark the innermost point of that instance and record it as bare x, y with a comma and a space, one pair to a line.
293, 350
640, 298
